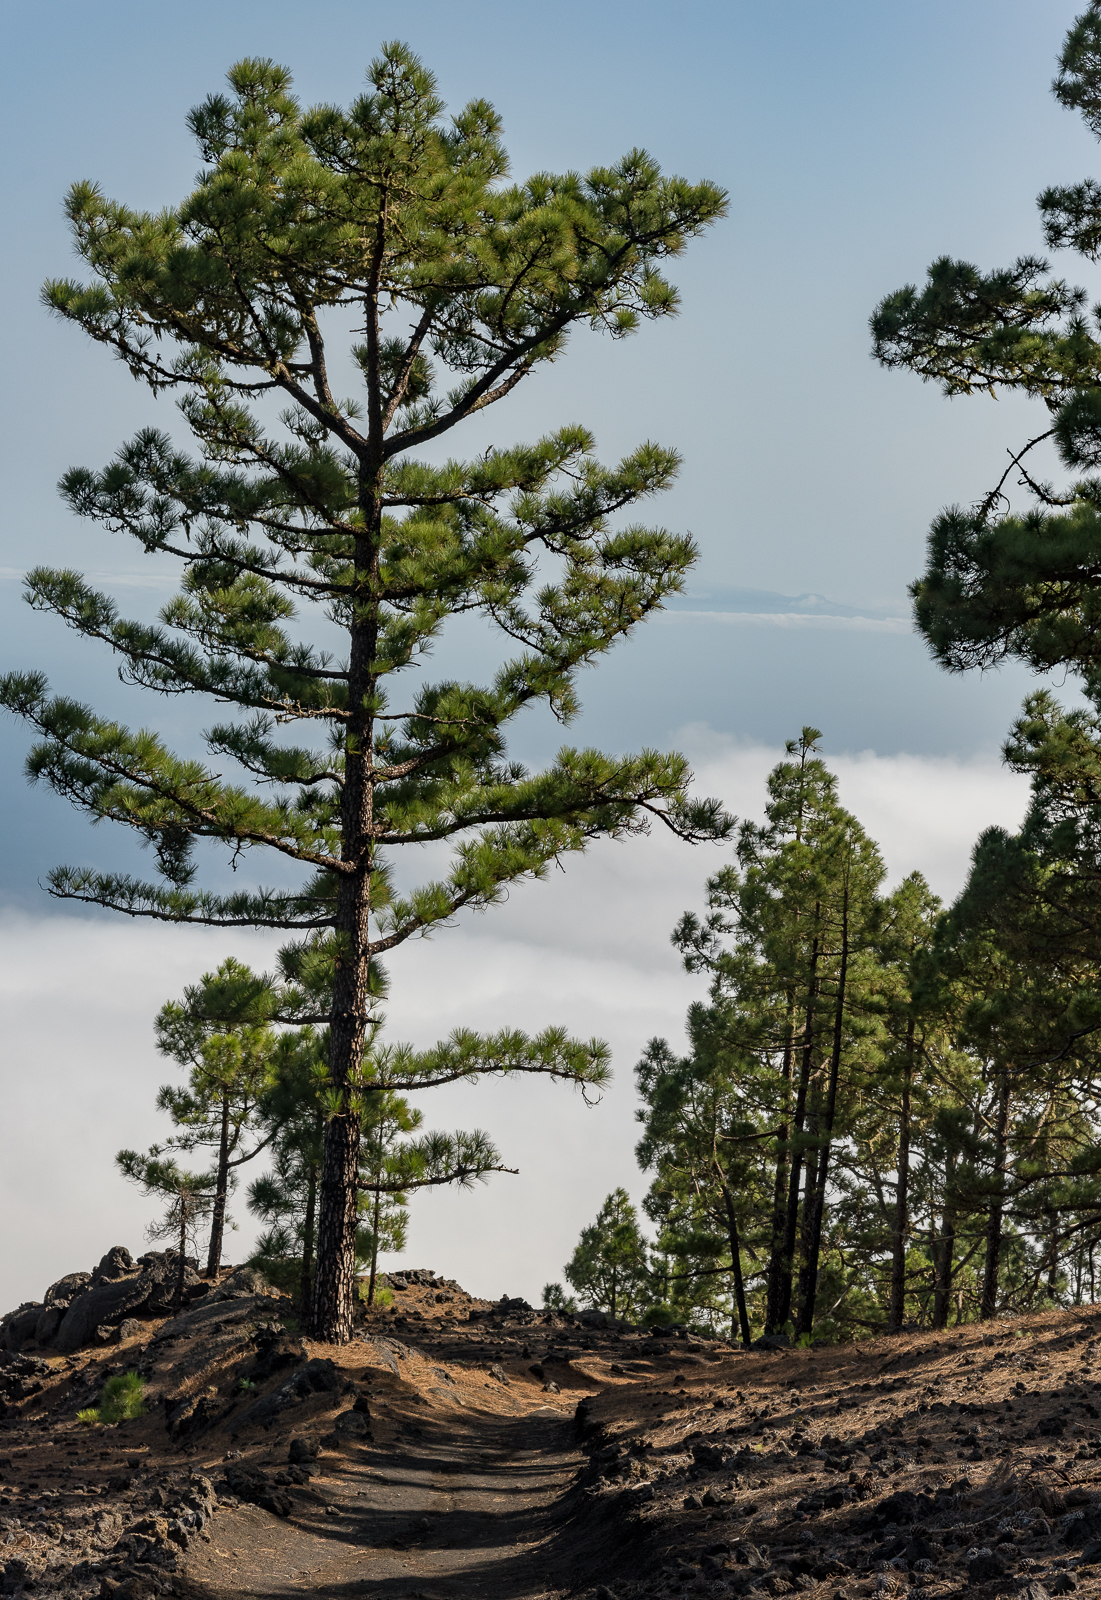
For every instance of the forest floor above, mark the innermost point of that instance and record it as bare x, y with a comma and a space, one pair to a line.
428, 1458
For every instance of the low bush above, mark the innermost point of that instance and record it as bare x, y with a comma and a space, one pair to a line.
123, 1398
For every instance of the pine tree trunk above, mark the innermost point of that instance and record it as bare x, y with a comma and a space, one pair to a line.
806, 1214
791, 1220
817, 1208
741, 1314
786, 1181
305, 1287
780, 1183
374, 1248
989, 1303
221, 1188
945, 1250
902, 1196
334, 1281
335, 1275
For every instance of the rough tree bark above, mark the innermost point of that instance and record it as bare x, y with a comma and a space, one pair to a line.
334, 1278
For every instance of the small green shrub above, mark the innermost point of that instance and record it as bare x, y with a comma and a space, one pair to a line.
384, 1296
555, 1298
659, 1315
122, 1400
282, 1272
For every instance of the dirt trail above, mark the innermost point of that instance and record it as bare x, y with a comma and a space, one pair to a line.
468, 1511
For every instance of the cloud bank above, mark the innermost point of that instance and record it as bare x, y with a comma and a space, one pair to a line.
589, 947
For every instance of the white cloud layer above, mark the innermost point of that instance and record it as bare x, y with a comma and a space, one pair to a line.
789, 619
589, 948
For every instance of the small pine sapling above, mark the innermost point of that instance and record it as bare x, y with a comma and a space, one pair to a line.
122, 1400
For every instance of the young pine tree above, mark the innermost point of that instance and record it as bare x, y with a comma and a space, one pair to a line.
284, 1199
381, 245
702, 1143
387, 1126
794, 985
188, 1198
392, 1161
222, 1034
609, 1266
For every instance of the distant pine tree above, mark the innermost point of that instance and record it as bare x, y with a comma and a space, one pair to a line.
609, 1266
188, 1200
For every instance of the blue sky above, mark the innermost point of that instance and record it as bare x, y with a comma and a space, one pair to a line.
858, 141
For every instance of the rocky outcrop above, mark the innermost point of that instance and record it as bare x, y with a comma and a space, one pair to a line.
86, 1308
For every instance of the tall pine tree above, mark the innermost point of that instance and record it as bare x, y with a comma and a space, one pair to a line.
383, 245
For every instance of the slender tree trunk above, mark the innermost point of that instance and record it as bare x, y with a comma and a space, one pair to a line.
780, 1183
806, 1214
309, 1222
1053, 1262
785, 1183
818, 1208
221, 1189
181, 1264
944, 1251
375, 1216
989, 1304
791, 1220
902, 1196
741, 1313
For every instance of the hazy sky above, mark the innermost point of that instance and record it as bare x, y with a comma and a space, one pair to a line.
858, 141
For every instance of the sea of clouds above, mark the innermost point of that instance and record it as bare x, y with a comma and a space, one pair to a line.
588, 947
